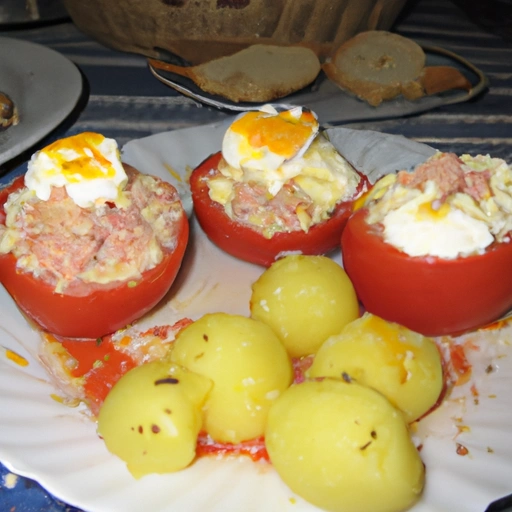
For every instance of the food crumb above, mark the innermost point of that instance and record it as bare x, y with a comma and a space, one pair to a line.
69, 402
462, 428
176, 175
16, 358
462, 450
10, 480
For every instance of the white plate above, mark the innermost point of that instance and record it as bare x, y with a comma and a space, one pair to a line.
43, 84
56, 445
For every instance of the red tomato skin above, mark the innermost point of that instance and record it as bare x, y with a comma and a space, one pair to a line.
99, 378
247, 244
432, 296
102, 311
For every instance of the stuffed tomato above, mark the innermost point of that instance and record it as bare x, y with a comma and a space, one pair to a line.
87, 244
431, 248
278, 186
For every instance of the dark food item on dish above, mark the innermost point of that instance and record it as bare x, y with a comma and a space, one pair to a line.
8, 112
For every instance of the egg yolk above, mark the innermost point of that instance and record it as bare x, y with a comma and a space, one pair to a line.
88, 164
427, 211
395, 340
283, 134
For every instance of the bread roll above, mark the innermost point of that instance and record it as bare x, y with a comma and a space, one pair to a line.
377, 66
258, 73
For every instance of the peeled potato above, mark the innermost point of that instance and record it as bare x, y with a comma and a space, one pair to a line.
403, 365
343, 447
305, 299
248, 365
152, 416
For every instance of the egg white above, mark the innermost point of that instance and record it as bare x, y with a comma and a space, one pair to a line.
267, 165
45, 171
448, 235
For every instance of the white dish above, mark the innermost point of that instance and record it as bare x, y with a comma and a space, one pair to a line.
57, 446
45, 87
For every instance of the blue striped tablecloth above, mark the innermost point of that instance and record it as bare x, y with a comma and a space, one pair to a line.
124, 101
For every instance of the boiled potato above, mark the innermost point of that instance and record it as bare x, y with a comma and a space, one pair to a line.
305, 299
249, 368
343, 447
152, 416
403, 365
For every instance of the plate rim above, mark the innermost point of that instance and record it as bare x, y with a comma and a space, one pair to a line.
62, 107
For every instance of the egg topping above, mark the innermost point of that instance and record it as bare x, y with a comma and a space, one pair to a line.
447, 207
265, 140
278, 173
87, 165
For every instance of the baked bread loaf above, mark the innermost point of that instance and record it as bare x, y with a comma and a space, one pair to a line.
200, 31
377, 66
258, 73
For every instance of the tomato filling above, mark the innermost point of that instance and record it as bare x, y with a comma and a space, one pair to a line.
249, 244
296, 196
448, 207
66, 245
